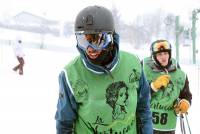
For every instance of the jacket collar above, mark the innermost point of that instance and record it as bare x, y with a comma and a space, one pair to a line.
156, 68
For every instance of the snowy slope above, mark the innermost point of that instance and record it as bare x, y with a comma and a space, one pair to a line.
28, 102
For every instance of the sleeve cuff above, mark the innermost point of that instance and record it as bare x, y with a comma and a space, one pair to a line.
153, 88
185, 101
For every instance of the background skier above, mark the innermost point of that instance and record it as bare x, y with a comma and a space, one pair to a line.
169, 84
18, 51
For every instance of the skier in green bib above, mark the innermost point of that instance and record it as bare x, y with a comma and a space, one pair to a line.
170, 94
103, 90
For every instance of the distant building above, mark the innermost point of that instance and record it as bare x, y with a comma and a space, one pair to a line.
32, 23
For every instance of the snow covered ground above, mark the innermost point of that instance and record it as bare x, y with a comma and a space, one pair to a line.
28, 102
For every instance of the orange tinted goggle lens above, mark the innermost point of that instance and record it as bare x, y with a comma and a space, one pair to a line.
161, 46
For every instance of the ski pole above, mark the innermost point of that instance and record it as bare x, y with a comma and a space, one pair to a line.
187, 123
182, 124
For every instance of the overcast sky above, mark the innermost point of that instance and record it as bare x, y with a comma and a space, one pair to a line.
68, 9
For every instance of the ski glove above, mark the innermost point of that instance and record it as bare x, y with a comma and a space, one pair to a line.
182, 106
160, 82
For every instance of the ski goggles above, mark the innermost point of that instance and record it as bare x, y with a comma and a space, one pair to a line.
96, 41
161, 46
